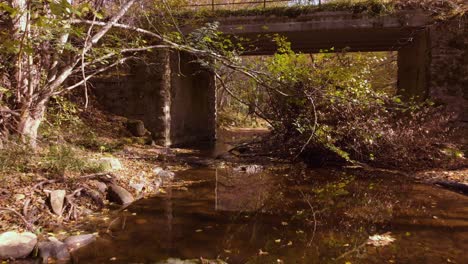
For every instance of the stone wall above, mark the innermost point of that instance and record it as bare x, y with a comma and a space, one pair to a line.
448, 82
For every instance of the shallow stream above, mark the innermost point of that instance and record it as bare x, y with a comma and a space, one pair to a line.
289, 214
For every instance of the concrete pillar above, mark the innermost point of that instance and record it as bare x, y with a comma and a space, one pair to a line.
193, 102
139, 91
172, 94
413, 62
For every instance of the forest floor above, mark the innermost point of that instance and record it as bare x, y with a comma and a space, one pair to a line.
25, 194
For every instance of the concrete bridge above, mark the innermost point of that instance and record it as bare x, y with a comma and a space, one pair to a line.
177, 99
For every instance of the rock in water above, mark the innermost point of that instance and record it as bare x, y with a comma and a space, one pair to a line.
119, 195
54, 249
16, 245
75, 242
57, 198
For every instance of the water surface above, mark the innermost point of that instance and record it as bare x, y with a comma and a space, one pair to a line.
289, 214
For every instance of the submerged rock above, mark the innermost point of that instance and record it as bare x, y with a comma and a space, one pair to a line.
16, 245
119, 195
75, 242
57, 197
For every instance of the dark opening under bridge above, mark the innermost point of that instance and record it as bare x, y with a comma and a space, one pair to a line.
177, 100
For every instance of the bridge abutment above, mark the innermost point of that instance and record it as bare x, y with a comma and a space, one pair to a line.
172, 94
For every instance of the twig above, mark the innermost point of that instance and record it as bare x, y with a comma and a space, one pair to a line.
29, 226
352, 251
313, 215
312, 134
42, 183
25, 207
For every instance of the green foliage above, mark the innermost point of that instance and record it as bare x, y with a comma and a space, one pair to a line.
345, 105
16, 157
61, 159
62, 119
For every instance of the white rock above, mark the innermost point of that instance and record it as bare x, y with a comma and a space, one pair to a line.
57, 197
110, 164
16, 245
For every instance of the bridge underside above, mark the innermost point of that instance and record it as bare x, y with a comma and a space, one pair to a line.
353, 40
176, 98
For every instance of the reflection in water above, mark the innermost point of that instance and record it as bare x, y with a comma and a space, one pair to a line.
237, 192
289, 216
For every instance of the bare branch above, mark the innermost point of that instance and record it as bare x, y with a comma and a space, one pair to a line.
120, 61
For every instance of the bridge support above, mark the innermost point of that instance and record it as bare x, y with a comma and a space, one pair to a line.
413, 70
192, 102
173, 95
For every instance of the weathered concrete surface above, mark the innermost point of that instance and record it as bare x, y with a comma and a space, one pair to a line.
172, 95
193, 102
323, 30
413, 67
137, 92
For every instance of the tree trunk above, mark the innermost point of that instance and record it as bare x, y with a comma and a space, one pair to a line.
29, 123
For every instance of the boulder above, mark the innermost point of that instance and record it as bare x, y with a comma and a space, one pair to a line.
16, 245
57, 197
53, 249
136, 127
119, 195
75, 242
110, 164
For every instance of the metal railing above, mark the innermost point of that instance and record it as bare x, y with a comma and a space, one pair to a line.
216, 4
